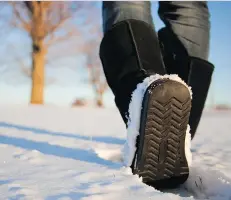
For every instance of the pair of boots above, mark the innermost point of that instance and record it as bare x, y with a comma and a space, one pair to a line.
154, 104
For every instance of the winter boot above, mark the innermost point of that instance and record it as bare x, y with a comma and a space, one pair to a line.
197, 73
154, 106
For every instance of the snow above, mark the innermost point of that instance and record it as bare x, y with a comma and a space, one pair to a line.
134, 113
50, 153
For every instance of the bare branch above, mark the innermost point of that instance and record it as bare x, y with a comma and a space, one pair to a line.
25, 69
61, 38
23, 23
59, 15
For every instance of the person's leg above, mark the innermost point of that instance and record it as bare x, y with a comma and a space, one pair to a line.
189, 21
185, 48
124, 22
132, 63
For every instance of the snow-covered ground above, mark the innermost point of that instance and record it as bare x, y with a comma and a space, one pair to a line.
75, 153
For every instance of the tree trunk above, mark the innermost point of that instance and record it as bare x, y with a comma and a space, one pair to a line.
99, 100
38, 59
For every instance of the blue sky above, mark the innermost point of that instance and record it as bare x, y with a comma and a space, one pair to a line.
68, 73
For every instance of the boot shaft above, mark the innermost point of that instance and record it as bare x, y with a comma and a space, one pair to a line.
129, 52
196, 72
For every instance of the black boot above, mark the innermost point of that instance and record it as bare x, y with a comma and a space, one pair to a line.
130, 54
197, 73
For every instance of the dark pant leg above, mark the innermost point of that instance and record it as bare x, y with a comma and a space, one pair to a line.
117, 11
189, 21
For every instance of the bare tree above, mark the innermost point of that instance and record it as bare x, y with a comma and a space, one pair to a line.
90, 48
95, 70
43, 20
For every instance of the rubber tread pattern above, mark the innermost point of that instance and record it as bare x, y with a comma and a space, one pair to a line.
161, 159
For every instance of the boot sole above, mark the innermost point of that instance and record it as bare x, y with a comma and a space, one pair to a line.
160, 157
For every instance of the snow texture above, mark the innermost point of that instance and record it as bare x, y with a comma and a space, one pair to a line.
51, 153
134, 113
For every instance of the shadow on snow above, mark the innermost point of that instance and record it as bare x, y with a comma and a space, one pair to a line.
103, 139
55, 150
